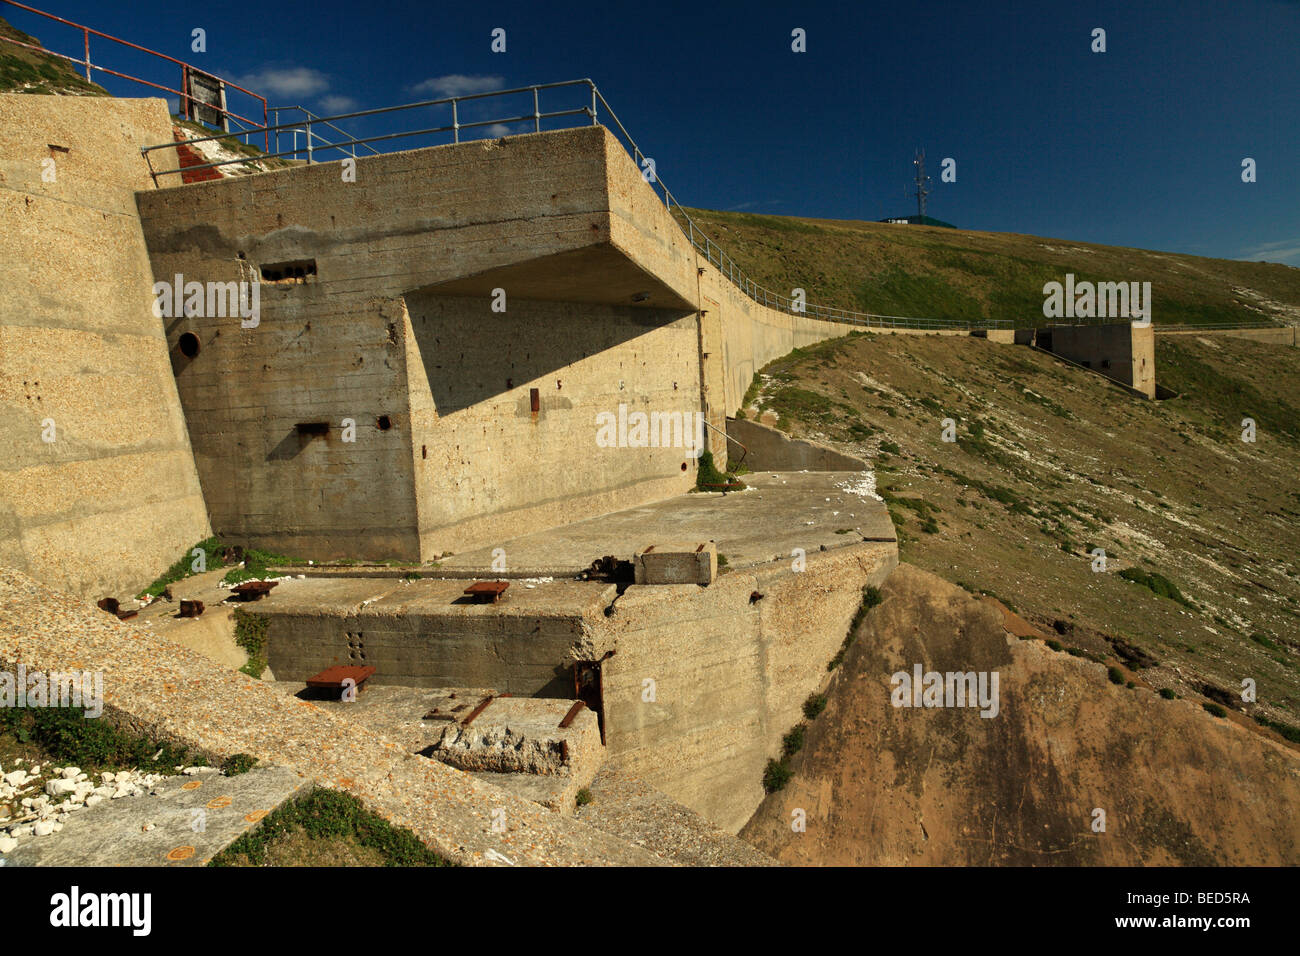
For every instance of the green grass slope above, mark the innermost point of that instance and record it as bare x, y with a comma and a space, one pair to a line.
28, 71
1201, 588
933, 272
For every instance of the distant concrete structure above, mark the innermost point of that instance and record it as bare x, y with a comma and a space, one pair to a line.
1123, 351
98, 489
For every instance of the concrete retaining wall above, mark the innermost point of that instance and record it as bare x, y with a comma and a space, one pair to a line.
770, 449
1278, 336
730, 673
114, 498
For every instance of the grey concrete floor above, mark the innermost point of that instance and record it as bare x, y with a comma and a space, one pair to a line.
777, 513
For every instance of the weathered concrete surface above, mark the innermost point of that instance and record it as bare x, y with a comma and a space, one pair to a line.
769, 449
392, 325
427, 633
676, 563
161, 689
946, 787
114, 498
1280, 336
523, 735
626, 806
779, 512
184, 821
729, 668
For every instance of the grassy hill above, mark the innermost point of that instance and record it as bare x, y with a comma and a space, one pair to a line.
935, 272
28, 71
1201, 588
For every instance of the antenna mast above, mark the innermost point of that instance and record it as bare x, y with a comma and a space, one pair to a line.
922, 184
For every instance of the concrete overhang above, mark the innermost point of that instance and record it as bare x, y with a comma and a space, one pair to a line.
599, 273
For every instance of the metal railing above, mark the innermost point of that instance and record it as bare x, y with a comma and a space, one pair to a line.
310, 136
248, 125
594, 109
1220, 326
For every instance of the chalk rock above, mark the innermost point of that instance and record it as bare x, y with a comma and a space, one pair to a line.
43, 828
70, 773
7, 844
94, 799
58, 787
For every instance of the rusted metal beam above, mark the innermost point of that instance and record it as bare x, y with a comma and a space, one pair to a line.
572, 714
482, 706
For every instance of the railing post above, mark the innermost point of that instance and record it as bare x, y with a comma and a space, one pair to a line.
86, 33
308, 138
537, 113
593, 104
455, 123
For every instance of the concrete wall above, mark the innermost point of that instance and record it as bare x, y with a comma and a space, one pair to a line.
745, 335
770, 449
486, 465
1279, 336
115, 499
426, 634
397, 322
1122, 351
602, 308
730, 674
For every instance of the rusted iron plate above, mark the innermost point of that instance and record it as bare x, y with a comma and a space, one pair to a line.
191, 608
333, 677
572, 714
487, 592
253, 590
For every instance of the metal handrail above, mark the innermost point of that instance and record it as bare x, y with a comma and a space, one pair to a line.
597, 109
87, 32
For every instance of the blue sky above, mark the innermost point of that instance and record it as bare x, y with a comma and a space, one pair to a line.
1139, 146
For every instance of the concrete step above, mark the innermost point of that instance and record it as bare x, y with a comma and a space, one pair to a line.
185, 821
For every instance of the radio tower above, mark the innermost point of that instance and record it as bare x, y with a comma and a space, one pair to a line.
922, 188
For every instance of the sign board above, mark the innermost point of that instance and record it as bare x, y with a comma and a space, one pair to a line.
206, 96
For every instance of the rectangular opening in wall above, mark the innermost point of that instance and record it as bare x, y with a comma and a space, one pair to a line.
295, 272
312, 428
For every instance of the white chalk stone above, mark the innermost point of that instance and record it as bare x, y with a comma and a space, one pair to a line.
7, 844
43, 828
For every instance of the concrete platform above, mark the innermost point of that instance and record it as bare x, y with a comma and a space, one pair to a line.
779, 512
186, 821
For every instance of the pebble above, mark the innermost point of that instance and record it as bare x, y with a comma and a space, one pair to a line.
7, 844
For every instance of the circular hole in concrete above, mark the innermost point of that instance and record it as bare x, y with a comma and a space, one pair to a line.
189, 343
683, 466
384, 423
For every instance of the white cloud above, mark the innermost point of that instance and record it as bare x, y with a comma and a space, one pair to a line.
293, 82
337, 104
497, 130
459, 84
1287, 251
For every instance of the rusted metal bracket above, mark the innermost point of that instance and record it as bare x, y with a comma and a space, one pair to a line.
574, 711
